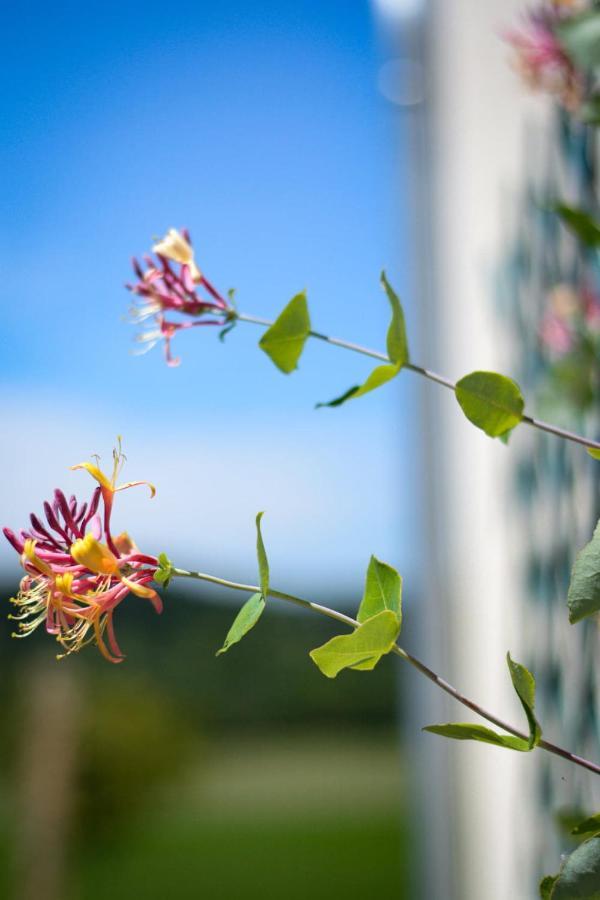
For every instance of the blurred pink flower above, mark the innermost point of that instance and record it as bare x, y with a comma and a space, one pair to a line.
556, 334
173, 284
73, 581
541, 59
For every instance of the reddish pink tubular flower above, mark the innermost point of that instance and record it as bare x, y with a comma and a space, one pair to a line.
73, 583
541, 59
173, 284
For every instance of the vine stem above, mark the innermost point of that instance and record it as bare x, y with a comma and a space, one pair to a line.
399, 651
432, 376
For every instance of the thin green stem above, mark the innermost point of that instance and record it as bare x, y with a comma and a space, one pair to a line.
432, 376
399, 651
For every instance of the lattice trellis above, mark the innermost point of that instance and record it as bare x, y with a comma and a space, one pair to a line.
557, 484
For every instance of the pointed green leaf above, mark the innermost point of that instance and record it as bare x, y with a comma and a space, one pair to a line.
490, 401
362, 649
263, 563
397, 343
594, 452
579, 876
383, 590
465, 731
284, 341
546, 886
524, 684
341, 399
380, 375
246, 619
397, 349
591, 825
580, 223
583, 598
164, 573
580, 36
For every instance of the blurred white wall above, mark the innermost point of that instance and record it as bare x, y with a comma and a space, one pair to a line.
478, 110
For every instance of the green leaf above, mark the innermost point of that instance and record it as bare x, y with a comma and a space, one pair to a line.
583, 598
524, 684
284, 341
164, 573
465, 731
397, 349
490, 401
579, 876
263, 563
397, 343
591, 825
546, 885
383, 590
246, 619
580, 37
590, 111
594, 452
380, 375
362, 649
580, 223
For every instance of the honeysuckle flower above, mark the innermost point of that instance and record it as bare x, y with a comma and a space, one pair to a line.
173, 284
572, 314
540, 58
73, 579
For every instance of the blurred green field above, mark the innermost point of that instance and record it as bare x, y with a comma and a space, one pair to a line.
178, 775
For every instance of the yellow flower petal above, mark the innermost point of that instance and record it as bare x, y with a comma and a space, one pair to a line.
94, 556
96, 473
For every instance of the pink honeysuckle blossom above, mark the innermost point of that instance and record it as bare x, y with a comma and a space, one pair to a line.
173, 285
73, 580
540, 58
572, 313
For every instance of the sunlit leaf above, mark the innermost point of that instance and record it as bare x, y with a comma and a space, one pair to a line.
380, 375
284, 341
263, 563
246, 619
524, 684
397, 342
583, 598
397, 349
465, 731
361, 649
383, 590
594, 452
490, 401
164, 572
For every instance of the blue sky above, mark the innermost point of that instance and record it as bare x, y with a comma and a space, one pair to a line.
260, 127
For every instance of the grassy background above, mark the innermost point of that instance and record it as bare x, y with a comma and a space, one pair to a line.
249, 775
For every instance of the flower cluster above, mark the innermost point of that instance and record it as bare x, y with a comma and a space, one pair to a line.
571, 316
173, 284
541, 59
570, 341
76, 572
